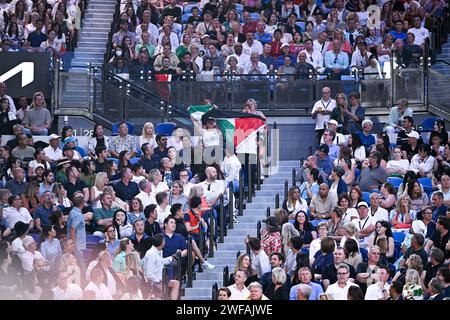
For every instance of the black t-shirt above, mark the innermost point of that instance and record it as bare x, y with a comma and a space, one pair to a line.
181, 228
410, 152
440, 242
71, 188
421, 253
152, 229
330, 272
364, 268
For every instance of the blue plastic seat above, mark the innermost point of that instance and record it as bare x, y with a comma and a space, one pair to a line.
395, 181
255, 16
366, 197
94, 239
357, 173
239, 7
115, 128
427, 185
398, 236
36, 237
428, 124
134, 160
188, 8
115, 160
302, 25
185, 17
165, 128
81, 151
315, 223
305, 251
397, 250
364, 254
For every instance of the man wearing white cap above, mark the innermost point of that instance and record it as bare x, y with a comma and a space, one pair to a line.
364, 224
53, 152
410, 149
339, 138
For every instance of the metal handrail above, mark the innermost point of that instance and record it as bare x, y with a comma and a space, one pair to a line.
211, 234
230, 205
268, 212
225, 276
277, 201
190, 263
221, 219
258, 229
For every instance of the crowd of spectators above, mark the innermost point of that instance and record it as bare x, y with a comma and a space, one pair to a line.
40, 25
369, 219
122, 204
208, 39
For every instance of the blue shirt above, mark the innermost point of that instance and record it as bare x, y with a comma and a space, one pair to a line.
339, 62
334, 150
132, 218
316, 291
263, 38
400, 35
42, 188
177, 242
44, 214
126, 193
325, 164
112, 247
366, 141
266, 60
35, 39
76, 221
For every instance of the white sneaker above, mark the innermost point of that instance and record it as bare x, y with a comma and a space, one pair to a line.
208, 265
235, 219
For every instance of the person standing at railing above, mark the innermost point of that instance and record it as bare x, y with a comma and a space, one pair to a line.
322, 110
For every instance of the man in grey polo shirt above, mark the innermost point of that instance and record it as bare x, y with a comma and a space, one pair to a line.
38, 119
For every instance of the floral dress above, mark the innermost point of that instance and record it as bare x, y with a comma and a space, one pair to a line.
413, 291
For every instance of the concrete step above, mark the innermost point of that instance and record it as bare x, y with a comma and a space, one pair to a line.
197, 298
216, 274
251, 219
204, 284
239, 232
231, 246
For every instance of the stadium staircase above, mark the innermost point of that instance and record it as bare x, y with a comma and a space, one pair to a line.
226, 253
441, 79
91, 48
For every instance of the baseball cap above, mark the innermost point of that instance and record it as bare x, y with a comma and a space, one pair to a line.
284, 45
205, 35
361, 204
69, 139
271, 221
324, 148
414, 134
333, 122
54, 136
418, 227
40, 165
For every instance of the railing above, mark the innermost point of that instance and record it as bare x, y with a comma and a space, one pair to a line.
277, 201
190, 263
214, 291
225, 276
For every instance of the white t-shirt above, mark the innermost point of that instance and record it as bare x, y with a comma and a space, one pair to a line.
339, 293
420, 35
162, 214
349, 215
380, 214
101, 292
322, 119
394, 164
211, 137
446, 194
236, 294
362, 224
73, 292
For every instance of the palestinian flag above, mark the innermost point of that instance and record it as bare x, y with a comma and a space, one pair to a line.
239, 127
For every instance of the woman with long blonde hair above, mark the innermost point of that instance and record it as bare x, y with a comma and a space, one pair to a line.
148, 135
101, 180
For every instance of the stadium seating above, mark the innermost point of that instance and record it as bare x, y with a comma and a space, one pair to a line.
165, 128
115, 128
366, 197
134, 160
428, 124
395, 181
364, 254
427, 185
